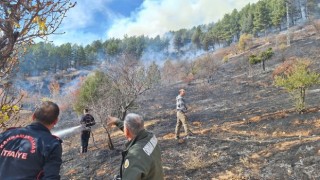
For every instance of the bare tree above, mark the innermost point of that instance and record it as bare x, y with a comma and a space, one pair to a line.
168, 72
207, 66
115, 91
102, 110
129, 80
21, 21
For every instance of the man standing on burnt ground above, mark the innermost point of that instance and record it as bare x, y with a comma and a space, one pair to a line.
86, 121
32, 152
181, 115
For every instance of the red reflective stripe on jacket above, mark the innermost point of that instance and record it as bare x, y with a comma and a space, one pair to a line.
40, 175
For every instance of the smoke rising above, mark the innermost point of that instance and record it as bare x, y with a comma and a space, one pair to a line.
158, 17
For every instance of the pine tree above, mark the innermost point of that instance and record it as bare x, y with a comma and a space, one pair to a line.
246, 19
261, 18
196, 37
177, 41
278, 12
235, 24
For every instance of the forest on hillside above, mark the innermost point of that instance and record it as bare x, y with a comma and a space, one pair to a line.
258, 19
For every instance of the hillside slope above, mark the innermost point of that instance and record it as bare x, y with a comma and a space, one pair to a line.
244, 127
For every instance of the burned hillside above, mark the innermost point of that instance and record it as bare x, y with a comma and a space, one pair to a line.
244, 127
250, 69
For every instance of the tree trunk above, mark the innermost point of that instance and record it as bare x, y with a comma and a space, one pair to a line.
303, 95
288, 24
122, 113
302, 99
306, 10
110, 144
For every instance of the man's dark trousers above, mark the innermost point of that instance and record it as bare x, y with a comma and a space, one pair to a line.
85, 135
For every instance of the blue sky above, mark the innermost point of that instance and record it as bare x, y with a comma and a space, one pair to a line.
102, 19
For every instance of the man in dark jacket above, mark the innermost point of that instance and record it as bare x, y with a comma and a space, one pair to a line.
141, 160
32, 152
86, 121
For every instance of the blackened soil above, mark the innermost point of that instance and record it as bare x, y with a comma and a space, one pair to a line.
244, 128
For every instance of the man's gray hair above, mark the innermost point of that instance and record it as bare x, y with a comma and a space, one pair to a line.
134, 123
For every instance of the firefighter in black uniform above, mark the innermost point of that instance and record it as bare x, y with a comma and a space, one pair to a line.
86, 121
32, 152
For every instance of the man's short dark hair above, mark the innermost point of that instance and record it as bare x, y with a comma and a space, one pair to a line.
181, 90
47, 113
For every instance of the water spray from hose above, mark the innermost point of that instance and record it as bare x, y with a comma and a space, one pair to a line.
67, 131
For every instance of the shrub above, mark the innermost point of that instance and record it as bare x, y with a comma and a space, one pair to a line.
245, 42
282, 38
197, 157
316, 25
253, 59
296, 79
267, 54
54, 88
285, 67
89, 91
188, 79
262, 57
282, 48
225, 59
207, 65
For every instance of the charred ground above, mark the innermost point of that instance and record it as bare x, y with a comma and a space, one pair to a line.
244, 127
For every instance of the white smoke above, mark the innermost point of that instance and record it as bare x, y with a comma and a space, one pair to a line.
156, 17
